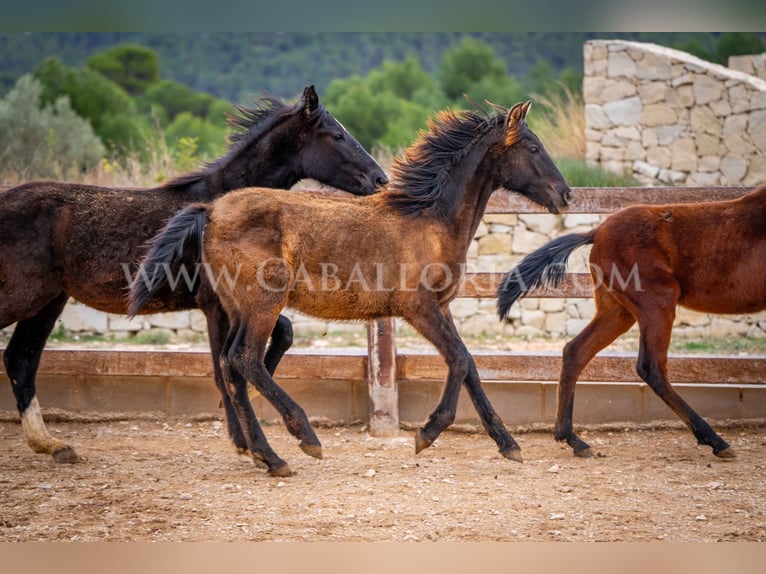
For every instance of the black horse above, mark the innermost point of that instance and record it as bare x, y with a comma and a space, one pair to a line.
62, 240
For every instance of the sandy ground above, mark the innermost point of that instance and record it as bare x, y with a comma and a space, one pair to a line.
152, 479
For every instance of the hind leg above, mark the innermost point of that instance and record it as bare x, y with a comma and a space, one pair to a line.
655, 323
232, 367
22, 358
611, 321
217, 328
293, 415
281, 341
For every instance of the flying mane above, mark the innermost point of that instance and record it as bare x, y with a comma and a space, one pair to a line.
248, 125
419, 179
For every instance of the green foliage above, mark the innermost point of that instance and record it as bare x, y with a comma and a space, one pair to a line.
235, 66
467, 67
403, 79
125, 133
210, 139
579, 174
134, 68
739, 44
727, 44
175, 98
109, 109
43, 140
385, 108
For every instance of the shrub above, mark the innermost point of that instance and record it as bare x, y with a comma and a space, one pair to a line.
134, 68
51, 141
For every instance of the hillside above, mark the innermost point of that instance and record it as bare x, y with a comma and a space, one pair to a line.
235, 66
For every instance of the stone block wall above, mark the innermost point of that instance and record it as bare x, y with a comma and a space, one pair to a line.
671, 118
754, 64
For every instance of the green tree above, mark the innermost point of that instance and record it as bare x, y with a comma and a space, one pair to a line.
469, 63
353, 102
43, 140
738, 44
109, 108
383, 108
134, 68
176, 98
403, 79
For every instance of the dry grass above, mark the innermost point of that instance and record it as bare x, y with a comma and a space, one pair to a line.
562, 126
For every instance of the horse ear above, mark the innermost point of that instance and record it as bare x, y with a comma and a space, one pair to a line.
310, 100
518, 113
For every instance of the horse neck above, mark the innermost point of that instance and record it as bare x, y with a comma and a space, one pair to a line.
475, 188
253, 166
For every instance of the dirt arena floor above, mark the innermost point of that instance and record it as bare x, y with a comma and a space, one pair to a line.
151, 479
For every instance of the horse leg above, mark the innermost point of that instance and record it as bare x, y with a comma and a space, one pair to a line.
611, 321
492, 423
233, 362
21, 359
281, 341
293, 415
655, 321
217, 326
436, 325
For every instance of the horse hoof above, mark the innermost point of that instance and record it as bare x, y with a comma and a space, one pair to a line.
584, 453
512, 454
281, 471
314, 450
258, 462
421, 443
66, 455
728, 452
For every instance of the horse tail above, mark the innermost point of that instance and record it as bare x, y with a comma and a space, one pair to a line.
165, 249
543, 267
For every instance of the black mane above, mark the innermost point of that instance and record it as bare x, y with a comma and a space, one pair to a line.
419, 179
248, 125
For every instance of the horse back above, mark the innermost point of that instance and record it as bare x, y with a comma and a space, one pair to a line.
713, 253
332, 258
81, 236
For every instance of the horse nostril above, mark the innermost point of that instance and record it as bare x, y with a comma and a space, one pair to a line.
381, 180
568, 195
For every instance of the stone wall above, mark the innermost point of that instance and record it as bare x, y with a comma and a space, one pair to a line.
668, 117
755, 64
672, 118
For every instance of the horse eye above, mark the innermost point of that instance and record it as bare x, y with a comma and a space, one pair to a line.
337, 136
534, 149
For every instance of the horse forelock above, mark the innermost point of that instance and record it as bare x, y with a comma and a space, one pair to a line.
420, 176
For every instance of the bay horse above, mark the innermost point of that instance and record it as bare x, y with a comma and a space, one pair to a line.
646, 260
398, 253
62, 240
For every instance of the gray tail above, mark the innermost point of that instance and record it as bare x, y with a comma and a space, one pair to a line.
543, 267
186, 228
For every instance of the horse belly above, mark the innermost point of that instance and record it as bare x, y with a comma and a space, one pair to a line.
741, 292
341, 301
